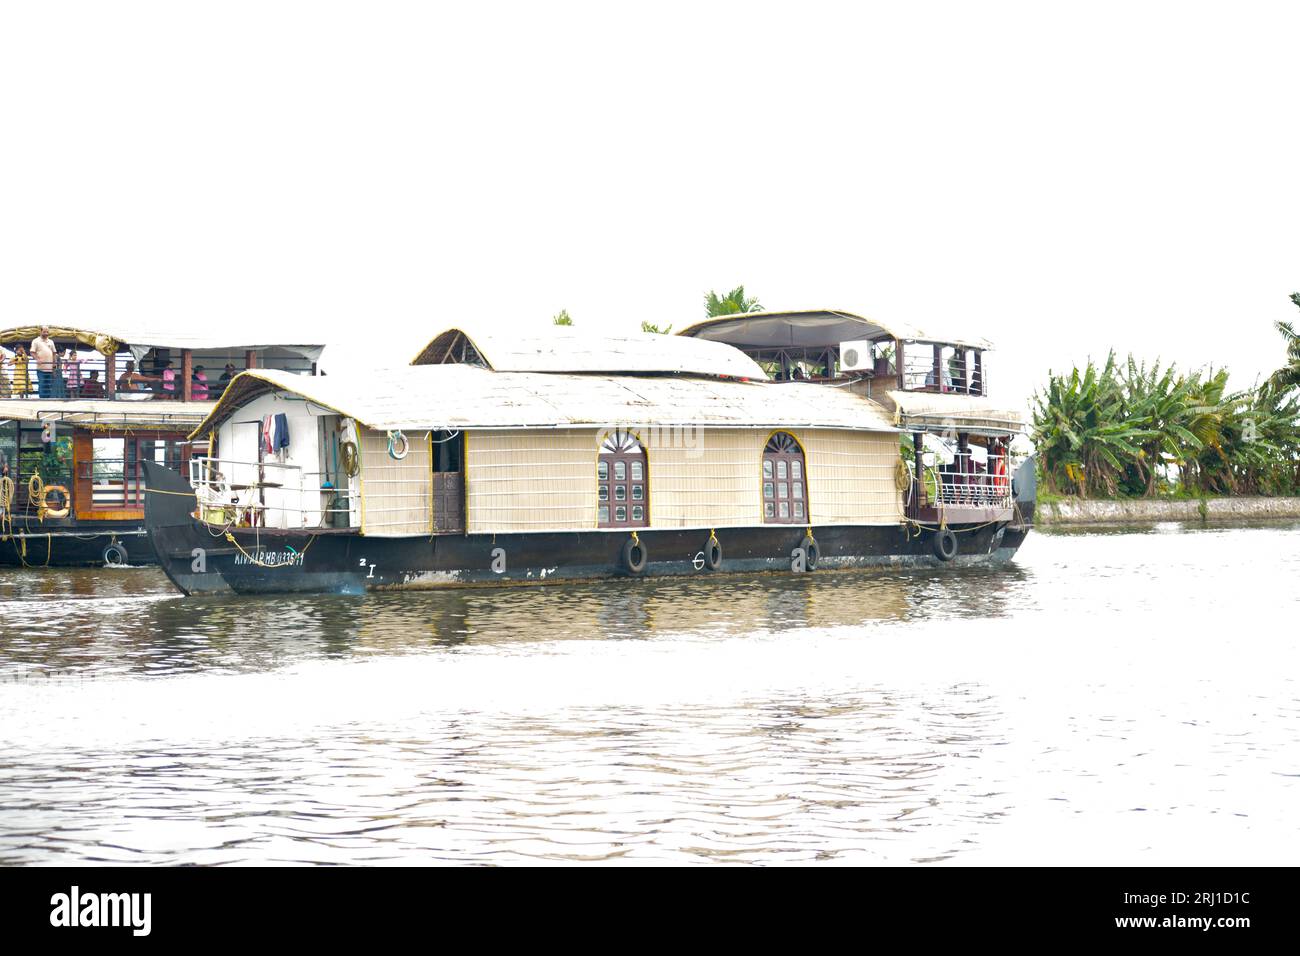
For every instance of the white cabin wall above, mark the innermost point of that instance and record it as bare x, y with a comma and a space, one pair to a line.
298, 503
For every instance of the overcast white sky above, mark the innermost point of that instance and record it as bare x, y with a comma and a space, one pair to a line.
1060, 179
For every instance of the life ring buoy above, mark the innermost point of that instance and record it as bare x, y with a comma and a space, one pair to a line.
45, 501
114, 555
397, 440
635, 556
811, 552
944, 543
713, 554
351, 458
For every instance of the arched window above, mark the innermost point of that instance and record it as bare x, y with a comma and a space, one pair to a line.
785, 485
622, 488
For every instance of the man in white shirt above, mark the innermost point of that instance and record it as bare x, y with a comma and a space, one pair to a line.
42, 352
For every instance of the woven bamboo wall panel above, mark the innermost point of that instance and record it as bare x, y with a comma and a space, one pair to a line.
546, 480
715, 483
396, 494
851, 477
531, 480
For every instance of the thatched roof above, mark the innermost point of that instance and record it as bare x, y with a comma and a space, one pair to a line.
421, 398
561, 349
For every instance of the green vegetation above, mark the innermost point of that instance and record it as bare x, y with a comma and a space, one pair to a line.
732, 303
1126, 430
562, 318
654, 329
1288, 376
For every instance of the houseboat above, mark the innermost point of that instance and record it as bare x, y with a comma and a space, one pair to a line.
82, 409
791, 441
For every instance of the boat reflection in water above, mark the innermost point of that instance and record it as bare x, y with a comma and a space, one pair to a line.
131, 621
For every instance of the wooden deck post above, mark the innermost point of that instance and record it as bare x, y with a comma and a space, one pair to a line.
898, 362
110, 374
187, 374
250, 359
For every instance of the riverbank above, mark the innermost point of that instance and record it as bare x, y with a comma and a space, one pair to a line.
1127, 510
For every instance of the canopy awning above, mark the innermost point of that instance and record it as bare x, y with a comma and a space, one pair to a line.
930, 411
814, 329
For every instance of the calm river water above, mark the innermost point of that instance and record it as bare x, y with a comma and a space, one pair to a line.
1123, 697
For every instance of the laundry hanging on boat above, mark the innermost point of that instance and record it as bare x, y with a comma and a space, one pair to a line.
281, 439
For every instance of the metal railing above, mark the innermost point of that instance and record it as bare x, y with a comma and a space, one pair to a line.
232, 492
87, 378
983, 482
920, 373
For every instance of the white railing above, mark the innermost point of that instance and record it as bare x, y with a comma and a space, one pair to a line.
268, 494
983, 482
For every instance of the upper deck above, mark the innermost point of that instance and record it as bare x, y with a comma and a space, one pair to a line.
828, 345
116, 363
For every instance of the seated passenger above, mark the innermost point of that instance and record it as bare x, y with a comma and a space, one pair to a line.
92, 387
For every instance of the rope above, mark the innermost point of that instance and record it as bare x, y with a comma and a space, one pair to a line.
944, 527
262, 564
179, 494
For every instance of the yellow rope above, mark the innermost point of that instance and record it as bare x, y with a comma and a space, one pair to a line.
636, 540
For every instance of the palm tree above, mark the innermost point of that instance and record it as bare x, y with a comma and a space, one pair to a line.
1161, 406
733, 303
1288, 376
1085, 443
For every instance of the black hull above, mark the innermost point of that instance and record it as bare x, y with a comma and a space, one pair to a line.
75, 544
200, 559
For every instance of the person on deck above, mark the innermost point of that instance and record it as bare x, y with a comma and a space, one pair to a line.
72, 373
44, 352
92, 387
199, 387
168, 379
22, 378
130, 380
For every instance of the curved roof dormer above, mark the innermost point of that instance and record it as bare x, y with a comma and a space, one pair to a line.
567, 350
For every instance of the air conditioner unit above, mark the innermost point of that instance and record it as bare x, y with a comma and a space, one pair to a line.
855, 357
